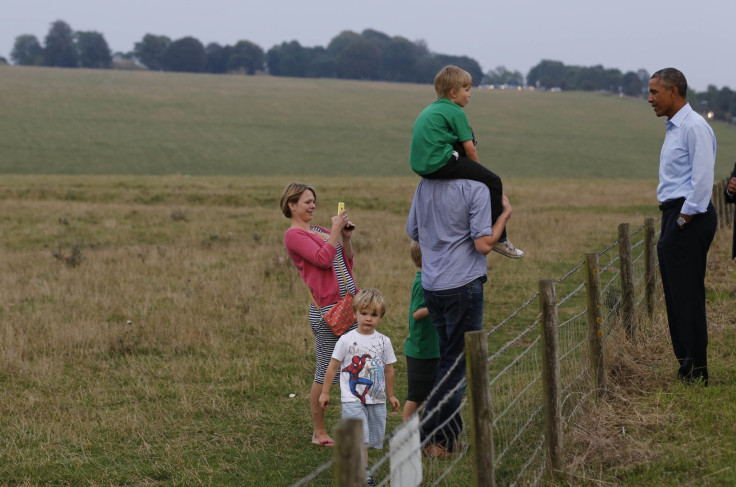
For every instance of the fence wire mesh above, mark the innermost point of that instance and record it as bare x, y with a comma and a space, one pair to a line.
515, 377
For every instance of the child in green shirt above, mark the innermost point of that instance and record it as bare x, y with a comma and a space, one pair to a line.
443, 145
422, 348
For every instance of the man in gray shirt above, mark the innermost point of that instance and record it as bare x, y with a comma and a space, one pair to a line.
451, 220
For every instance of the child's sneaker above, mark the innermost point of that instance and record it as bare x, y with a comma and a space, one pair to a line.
369, 480
507, 249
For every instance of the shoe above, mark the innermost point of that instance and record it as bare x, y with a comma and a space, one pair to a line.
369, 480
507, 249
435, 450
326, 443
458, 447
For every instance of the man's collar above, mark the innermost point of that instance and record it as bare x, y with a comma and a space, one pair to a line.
681, 114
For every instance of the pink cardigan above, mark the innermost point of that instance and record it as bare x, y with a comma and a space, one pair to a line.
313, 257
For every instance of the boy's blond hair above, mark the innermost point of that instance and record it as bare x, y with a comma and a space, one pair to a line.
371, 300
451, 78
416, 253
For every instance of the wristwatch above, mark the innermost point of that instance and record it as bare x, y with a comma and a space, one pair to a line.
681, 222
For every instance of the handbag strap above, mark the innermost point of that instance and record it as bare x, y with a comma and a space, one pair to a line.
344, 279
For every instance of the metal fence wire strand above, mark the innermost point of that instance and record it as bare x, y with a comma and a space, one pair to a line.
516, 376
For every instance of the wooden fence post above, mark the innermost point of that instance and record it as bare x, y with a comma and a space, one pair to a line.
481, 413
724, 209
627, 280
551, 375
595, 319
650, 268
349, 462
716, 201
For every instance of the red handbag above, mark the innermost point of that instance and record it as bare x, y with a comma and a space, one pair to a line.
340, 317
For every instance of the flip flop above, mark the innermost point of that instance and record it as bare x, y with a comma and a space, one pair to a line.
326, 443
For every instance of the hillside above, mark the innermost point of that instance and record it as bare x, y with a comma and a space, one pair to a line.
58, 121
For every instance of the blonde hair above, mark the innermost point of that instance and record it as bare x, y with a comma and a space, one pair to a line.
371, 300
292, 193
416, 253
451, 78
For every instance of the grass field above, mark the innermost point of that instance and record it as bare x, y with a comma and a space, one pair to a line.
152, 326
163, 351
72, 121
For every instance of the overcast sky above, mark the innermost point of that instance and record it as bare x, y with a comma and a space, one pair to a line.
698, 38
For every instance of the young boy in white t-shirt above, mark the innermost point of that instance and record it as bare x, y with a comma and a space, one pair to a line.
365, 361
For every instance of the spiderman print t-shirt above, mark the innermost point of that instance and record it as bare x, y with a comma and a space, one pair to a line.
363, 359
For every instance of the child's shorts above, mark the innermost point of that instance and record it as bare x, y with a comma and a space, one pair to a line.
374, 420
421, 374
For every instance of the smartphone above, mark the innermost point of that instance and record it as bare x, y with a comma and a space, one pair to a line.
340, 209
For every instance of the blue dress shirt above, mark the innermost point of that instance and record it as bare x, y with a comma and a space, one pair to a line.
687, 161
446, 217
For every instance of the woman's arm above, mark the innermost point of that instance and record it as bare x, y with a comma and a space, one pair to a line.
347, 245
312, 250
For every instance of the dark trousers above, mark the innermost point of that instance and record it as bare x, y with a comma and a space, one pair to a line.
465, 168
454, 312
682, 259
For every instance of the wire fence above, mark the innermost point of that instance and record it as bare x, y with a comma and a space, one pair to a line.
515, 377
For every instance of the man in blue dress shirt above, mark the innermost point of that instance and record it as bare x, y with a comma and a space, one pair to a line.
451, 220
689, 221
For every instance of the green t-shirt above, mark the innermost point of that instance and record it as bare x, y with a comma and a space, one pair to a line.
423, 341
436, 130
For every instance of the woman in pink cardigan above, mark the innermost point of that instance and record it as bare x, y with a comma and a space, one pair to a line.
324, 259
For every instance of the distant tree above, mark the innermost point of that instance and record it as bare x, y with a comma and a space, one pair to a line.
502, 76
59, 48
468, 64
247, 56
426, 68
721, 102
27, 51
631, 84
92, 50
360, 59
217, 57
341, 41
288, 59
320, 63
724, 100
608, 79
398, 59
151, 51
185, 54
375, 35
546, 74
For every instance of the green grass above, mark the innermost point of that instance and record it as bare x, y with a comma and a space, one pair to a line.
167, 355
195, 389
58, 121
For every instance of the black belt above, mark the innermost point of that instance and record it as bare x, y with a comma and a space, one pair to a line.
671, 204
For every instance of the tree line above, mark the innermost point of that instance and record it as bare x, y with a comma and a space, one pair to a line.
720, 104
369, 55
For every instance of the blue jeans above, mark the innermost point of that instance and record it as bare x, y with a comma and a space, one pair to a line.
454, 312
